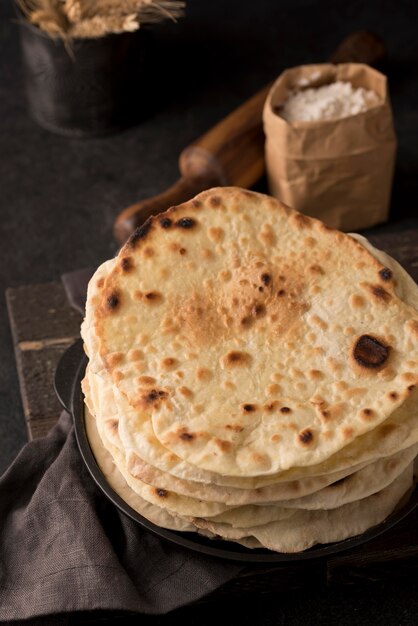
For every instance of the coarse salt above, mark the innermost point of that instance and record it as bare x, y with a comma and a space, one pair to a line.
334, 101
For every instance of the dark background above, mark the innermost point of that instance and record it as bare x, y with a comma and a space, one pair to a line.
59, 196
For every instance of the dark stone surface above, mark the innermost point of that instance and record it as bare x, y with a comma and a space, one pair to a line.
59, 196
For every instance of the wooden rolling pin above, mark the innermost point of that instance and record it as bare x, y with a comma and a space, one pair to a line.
232, 152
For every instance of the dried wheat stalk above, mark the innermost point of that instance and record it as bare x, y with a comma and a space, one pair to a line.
95, 18
47, 15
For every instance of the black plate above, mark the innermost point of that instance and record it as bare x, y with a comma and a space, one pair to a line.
69, 374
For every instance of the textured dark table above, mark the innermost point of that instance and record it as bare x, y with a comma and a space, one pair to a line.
59, 196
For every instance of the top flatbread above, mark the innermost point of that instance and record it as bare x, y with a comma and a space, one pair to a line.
255, 338
137, 434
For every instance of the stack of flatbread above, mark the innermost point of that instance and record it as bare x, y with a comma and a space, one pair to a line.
253, 374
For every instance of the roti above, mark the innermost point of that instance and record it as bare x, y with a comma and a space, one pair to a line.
105, 456
256, 339
306, 528
252, 374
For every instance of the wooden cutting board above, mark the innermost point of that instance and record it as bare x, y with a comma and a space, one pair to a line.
44, 325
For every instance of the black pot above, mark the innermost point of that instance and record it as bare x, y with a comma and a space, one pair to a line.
91, 87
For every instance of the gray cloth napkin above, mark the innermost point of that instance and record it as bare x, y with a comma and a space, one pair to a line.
64, 547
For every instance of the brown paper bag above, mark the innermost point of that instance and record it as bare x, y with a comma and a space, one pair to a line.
339, 171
